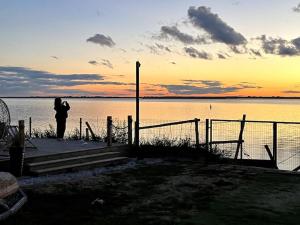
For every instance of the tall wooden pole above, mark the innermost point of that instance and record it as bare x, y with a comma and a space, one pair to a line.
137, 110
275, 143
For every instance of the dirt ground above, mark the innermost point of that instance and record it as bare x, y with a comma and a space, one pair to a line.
167, 193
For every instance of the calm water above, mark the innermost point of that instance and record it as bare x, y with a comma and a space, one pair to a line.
95, 112
41, 110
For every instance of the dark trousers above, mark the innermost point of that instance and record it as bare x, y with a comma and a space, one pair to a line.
60, 128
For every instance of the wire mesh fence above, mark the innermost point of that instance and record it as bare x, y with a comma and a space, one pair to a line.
288, 144
284, 140
171, 133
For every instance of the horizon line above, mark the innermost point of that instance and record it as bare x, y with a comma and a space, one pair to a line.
163, 97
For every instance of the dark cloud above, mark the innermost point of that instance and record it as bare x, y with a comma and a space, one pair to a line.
221, 56
212, 83
203, 18
162, 47
93, 62
20, 81
118, 75
54, 57
241, 49
102, 40
296, 43
158, 49
192, 90
280, 46
256, 52
291, 92
194, 53
176, 34
199, 87
107, 63
297, 8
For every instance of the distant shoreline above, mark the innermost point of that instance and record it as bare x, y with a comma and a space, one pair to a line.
155, 97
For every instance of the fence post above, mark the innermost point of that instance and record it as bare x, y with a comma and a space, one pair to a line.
30, 133
80, 128
275, 143
207, 134
197, 132
210, 134
130, 130
21, 133
91, 131
109, 131
87, 135
240, 140
16, 151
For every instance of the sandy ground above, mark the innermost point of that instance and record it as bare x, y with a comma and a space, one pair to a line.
164, 192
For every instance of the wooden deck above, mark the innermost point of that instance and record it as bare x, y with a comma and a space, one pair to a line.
50, 155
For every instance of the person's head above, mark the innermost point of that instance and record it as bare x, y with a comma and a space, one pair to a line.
57, 102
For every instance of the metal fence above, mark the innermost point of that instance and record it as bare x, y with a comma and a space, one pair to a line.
173, 133
282, 138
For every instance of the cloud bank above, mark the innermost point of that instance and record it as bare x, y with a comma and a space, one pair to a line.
21, 81
201, 87
194, 53
102, 40
280, 46
175, 33
203, 18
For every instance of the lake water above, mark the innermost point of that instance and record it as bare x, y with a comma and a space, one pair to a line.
156, 111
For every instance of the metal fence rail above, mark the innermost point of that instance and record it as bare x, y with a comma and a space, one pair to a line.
173, 132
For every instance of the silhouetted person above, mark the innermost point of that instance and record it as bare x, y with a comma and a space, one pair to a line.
61, 116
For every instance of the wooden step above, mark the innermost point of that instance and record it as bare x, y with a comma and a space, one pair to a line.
77, 166
71, 160
82, 152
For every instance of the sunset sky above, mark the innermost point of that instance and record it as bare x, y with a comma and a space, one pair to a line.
186, 48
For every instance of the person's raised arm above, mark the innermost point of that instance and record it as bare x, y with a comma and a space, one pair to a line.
67, 106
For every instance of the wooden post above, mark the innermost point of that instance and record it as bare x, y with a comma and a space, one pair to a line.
21, 134
275, 143
30, 133
240, 139
87, 135
271, 156
197, 132
137, 110
91, 131
109, 131
129, 130
207, 134
269, 153
210, 135
16, 151
80, 128
241, 153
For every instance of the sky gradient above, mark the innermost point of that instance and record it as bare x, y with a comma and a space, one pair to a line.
186, 48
